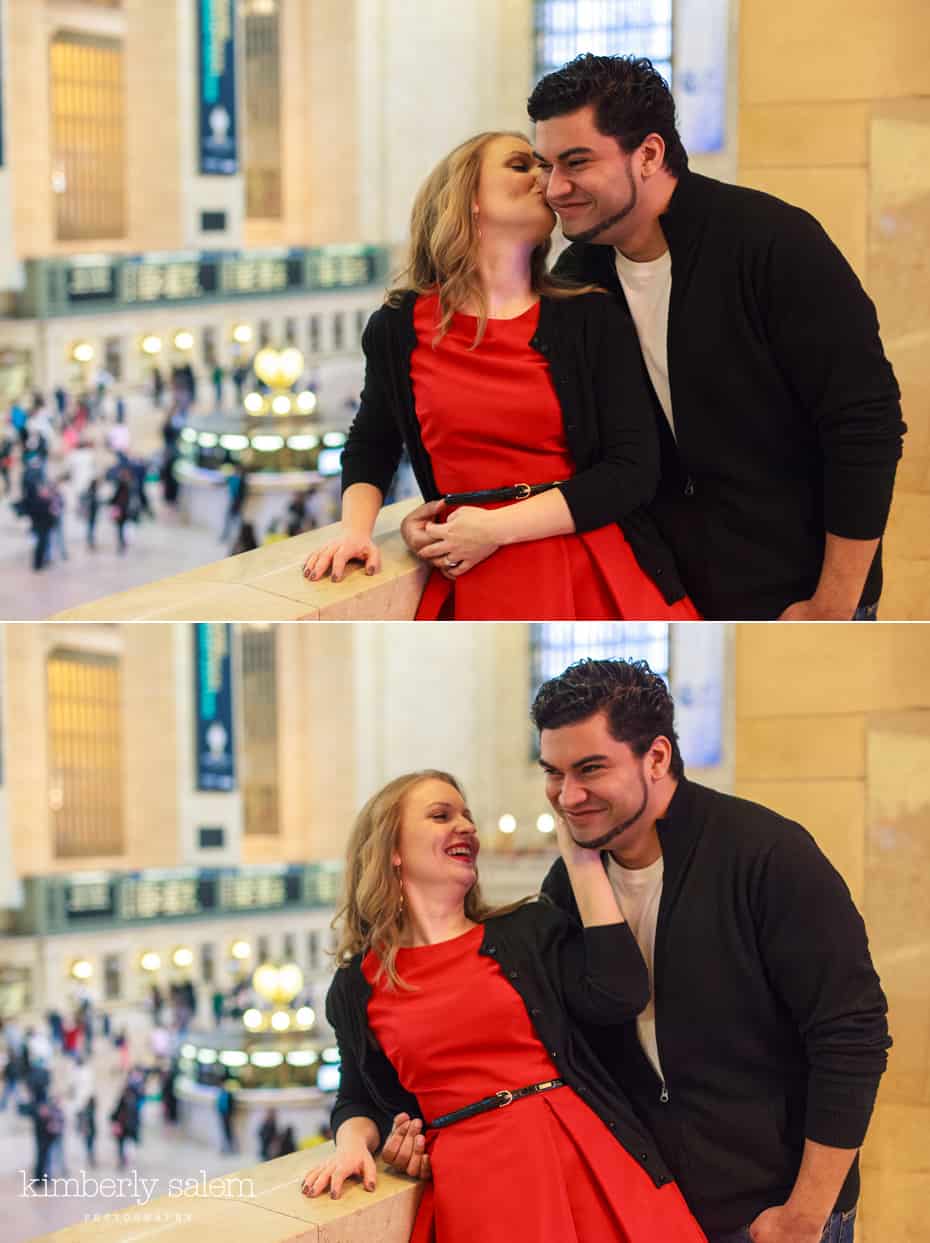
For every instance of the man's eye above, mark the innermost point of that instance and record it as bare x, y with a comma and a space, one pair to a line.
591, 768
576, 163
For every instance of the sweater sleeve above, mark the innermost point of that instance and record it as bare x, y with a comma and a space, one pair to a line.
626, 474
353, 1099
815, 950
374, 444
824, 334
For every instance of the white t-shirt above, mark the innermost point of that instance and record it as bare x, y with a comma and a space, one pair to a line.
648, 287
638, 893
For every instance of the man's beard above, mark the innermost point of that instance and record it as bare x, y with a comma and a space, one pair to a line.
596, 230
599, 843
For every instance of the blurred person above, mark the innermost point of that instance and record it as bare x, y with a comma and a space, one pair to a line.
140, 470
217, 376
156, 1001
87, 1128
524, 407
225, 1107
45, 1132
121, 505
45, 514
10, 1078
19, 419
57, 541
246, 540
158, 387
237, 489
90, 508
124, 1123
239, 376
169, 1097
267, 1135
569, 1158
7, 450
285, 1143
218, 1003
55, 1127
61, 401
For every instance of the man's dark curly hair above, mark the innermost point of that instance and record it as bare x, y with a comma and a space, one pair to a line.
635, 700
630, 98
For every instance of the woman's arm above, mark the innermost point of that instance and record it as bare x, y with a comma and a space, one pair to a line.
356, 1140
604, 977
361, 503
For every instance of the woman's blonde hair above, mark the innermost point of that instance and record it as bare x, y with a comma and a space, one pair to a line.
444, 235
371, 914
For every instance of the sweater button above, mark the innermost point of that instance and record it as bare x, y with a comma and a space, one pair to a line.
492, 949
611, 1125
644, 1156
535, 1012
512, 975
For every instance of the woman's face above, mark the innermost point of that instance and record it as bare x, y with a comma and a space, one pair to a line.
437, 845
510, 197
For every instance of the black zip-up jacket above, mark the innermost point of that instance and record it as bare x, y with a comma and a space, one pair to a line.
770, 1019
610, 428
563, 975
786, 410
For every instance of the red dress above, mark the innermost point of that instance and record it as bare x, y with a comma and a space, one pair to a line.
544, 1168
489, 418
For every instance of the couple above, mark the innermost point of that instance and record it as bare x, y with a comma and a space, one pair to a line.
702, 368
682, 1039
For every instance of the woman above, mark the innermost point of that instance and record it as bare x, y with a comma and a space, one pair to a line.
498, 380
447, 1010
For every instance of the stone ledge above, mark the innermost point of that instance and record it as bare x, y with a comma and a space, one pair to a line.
262, 1204
267, 585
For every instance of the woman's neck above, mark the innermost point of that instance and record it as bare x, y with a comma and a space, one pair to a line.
504, 270
431, 918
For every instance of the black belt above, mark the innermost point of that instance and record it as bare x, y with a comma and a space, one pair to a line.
497, 1101
516, 492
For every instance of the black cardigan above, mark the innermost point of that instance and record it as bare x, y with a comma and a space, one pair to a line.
596, 368
786, 410
564, 976
770, 1019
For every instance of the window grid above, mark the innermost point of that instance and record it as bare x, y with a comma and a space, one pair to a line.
85, 754
88, 136
565, 28
260, 732
262, 139
555, 645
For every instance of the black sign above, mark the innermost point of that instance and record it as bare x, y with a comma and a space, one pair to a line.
89, 900
216, 45
92, 282
213, 696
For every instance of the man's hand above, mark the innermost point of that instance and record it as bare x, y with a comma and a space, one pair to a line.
813, 610
405, 1148
783, 1225
413, 527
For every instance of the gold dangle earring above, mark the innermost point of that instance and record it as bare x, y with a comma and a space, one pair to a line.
477, 225
400, 908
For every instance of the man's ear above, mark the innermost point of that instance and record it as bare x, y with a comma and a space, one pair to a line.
651, 153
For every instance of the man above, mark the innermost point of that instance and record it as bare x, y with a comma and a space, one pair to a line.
757, 1061
777, 409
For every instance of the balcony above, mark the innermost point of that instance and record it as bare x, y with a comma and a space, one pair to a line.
267, 586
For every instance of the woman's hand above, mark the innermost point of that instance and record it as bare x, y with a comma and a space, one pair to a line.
351, 1162
467, 537
338, 553
575, 856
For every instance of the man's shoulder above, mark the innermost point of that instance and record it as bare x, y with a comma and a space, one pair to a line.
754, 214
743, 825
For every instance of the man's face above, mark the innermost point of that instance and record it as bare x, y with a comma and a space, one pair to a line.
595, 783
586, 177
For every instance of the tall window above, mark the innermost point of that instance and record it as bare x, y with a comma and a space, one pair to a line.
85, 754
564, 28
262, 146
260, 731
88, 136
553, 645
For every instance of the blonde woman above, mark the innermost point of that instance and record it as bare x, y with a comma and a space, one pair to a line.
466, 1017
521, 400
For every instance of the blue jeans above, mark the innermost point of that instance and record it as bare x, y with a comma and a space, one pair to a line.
867, 612
839, 1229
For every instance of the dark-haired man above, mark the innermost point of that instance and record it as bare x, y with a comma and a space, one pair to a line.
757, 1061
778, 409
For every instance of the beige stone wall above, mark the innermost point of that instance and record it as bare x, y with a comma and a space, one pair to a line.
833, 116
833, 730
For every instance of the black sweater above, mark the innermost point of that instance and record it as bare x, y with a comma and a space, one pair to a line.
563, 975
770, 1019
786, 410
610, 428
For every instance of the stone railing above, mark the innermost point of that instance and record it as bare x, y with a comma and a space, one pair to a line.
267, 585
263, 1204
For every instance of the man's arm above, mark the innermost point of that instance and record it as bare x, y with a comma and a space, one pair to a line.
825, 338
802, 1217
846, 565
